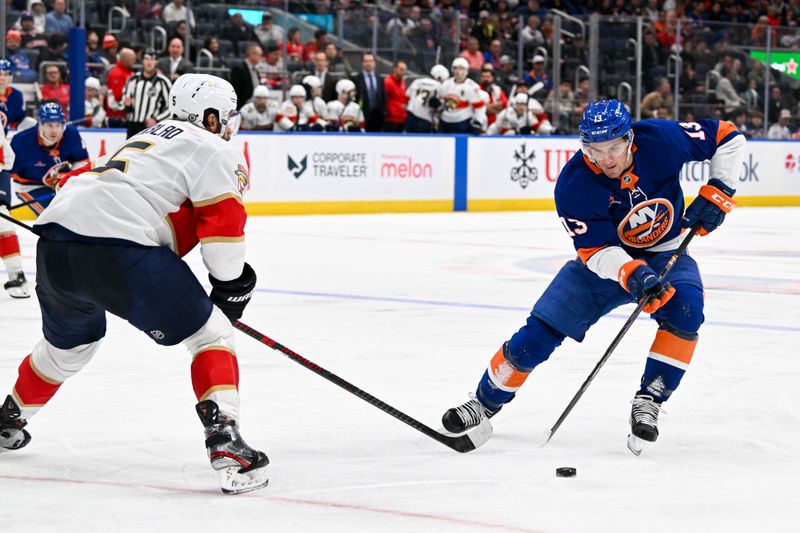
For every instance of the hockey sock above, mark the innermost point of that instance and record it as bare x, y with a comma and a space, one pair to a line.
9, 251
215, 376
669, 358
501, 380
33, 389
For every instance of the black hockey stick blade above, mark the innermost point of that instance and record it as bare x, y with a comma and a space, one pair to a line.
463, 443
628, 323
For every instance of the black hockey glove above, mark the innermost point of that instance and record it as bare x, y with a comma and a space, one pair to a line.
234, 295
710, 207
434, 103
525, 130
316, 127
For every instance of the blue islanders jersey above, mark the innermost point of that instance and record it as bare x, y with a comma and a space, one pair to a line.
642, 209
12, 108
34, 161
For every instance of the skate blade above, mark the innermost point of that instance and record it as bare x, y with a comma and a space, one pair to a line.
18, 292
480, 434
234, 482
635, 445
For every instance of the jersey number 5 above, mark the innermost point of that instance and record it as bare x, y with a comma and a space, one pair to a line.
118, 163
694, 130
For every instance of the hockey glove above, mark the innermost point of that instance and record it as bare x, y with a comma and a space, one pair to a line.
234, 295
642, 282
434, 103
710, 207
316, 127
525, 130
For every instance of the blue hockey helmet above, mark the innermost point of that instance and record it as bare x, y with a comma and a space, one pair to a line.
5, 66
604, 120
51, 112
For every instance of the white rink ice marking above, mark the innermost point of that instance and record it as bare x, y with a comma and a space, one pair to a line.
410, 308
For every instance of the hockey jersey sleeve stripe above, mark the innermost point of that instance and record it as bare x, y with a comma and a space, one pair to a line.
184, 229
586, 253
222, 221
724, 131
216, 199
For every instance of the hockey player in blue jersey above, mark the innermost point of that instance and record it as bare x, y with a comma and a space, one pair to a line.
620, 200
43, 154
12, 103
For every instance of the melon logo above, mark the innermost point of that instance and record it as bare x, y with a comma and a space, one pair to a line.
646, 223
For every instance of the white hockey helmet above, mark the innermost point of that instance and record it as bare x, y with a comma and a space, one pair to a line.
440, 73
312, 81
520, 99
345, 87
297, 90
92, 83
262, 91
460, 62
194, 96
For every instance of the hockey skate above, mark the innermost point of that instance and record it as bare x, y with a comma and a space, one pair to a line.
466, 416
12, 433
17, 285
644, 422
241, 468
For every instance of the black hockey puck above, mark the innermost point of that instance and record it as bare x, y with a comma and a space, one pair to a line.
566, 471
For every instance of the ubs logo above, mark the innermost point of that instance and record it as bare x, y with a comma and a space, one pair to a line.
646, 223
524, 172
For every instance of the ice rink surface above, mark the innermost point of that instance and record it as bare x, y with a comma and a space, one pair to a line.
410, 308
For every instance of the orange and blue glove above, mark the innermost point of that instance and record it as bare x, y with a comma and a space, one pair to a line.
710, 207
642, 282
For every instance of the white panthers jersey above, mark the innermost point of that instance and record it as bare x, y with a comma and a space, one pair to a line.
289, 115
345, 115
253, 119
508, 122
6, 154
461, 100
317, 108
174, 184
543, 125
419, 94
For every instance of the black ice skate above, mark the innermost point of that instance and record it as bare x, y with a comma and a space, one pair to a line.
466, 416
241, 468
12, 434
17, 285
644, 422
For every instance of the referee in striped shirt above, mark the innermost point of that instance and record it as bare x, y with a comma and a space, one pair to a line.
146, 95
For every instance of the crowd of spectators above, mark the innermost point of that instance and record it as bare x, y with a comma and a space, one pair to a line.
717, 76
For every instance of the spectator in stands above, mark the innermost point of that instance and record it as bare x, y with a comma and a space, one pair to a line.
56, 46
401, 23
54, 87
755, 124
237, 30
531, 34
750, 95
661, 96
492, 55
93, 104
739, 120
484, 30
692, 89
497, 98
176, 11
273, 67
117, 78
536, 76
295, 47
667, 36
247, 76
268, 33
39, 13
23, 73
778, 101
780, 130
530, 8
180, 33
582, 96
110, 48
396, 98
664, 112
212, 45
316, 45
321, 72
566, 106
506, 77
31, 37
370, 93
174, 65
145, 10
727, 93
335, 61
473, 54
653, 56
57, 21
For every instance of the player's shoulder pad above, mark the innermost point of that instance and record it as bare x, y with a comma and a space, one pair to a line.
23, 137
577, 186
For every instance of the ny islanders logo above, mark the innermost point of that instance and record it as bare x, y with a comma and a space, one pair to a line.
646, 223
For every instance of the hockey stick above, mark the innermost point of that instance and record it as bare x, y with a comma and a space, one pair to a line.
31, 201
17, 222
618, 338
462, 443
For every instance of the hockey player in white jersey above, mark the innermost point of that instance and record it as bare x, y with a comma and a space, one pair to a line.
260, 113
292, 113
424, 100
516, 119
543, 125
462, 101
9, 242
112, 241
344, 113
315, 105
480, 120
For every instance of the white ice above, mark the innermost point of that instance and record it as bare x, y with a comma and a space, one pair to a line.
410, 308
